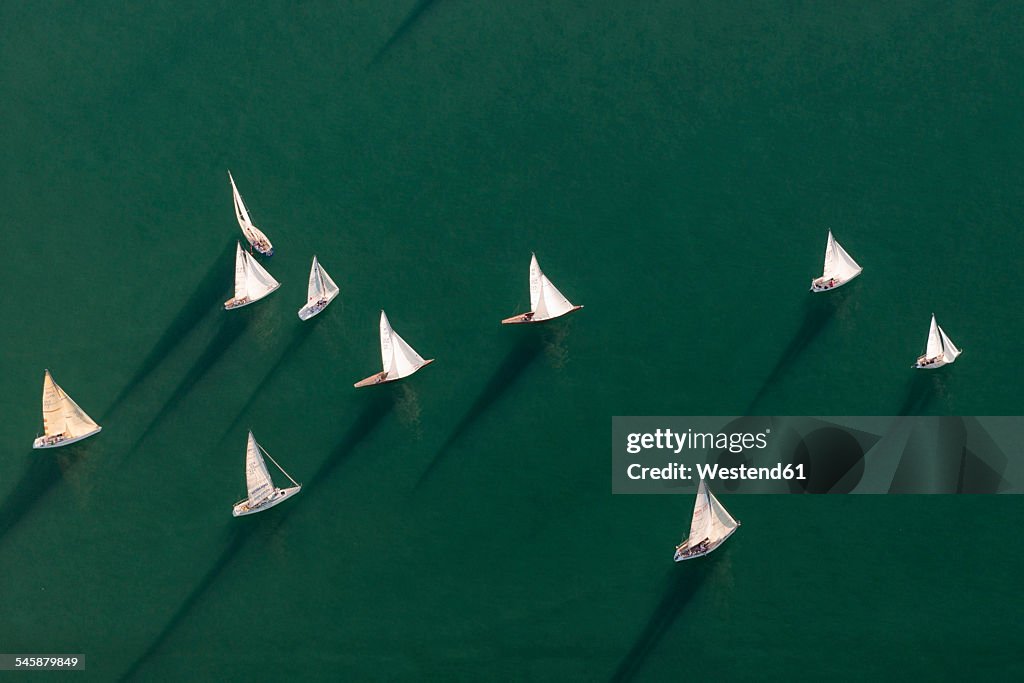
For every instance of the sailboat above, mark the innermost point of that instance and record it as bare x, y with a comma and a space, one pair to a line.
710, 526
546, 302
940, 349
256, 238
252, 281
321, 291
400, 360
63, 421
263, 494
839, 269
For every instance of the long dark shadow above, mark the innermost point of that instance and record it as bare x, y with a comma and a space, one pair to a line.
204, 298
682, 584
919, 393
231, 328
526, 350
819, 310
42, 473
298, 339
411, 18
371, 416
238, 534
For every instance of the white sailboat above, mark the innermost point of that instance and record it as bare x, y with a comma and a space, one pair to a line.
321, 291
546, 302
399, 359
252, 281
256, 238
839, 268
939, 350
263, 494
63, 421
710, 526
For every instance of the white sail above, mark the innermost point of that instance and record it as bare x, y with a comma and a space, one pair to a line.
535, 286
722, 523
399, 359
949, 349
321, 286
257, 479
252, 281
838, 263
934, 347
61, 415
240, 211
546, 301
700, 523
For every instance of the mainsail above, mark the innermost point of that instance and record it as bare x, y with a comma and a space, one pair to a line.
321, 286
838, 263
252, 281
61, 415
253, 234
545, 300
257, 479
399, 359
711, 522
934, 347
240, 211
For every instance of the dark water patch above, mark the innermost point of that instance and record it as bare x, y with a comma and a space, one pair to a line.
526, 350
682, 583
240, 531
204, 298
410, 19
919, 392
298, 339
45, 468
818, 312
371, 416
231, 328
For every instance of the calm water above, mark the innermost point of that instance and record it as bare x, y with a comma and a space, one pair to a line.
675, 166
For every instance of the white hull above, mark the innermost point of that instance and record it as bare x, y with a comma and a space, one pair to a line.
280, 495
680, 557
821, 284
935, 364
314, 308
41, 441
526, 318
233, 303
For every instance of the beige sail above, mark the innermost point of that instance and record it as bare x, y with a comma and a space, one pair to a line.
64, 421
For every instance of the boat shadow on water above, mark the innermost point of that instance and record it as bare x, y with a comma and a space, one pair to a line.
231, 328
818, 312
264, 525
45, 468
525, 352
410, 19
206, 297
920, 389
298, 339
681, 584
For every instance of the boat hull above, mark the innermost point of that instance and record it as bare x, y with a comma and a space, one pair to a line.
681, 557
310, 310
924, 364
256, 239
382, 377
821, 285
234, 303
40, 442
280, 495
527, 318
